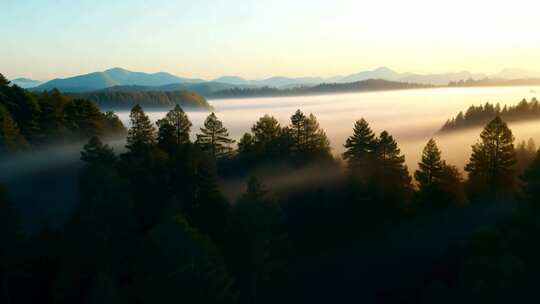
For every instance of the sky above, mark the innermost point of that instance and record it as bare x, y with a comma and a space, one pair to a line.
44, 39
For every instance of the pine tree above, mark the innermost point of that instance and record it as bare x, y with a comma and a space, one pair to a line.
214, 138
360, 146
10, 136
3, 81
430, 168
297, 130
390, 170
266, 131
491, 164
95, 152
315, 138
308, 138
174, 128
141, 133
438, 182
24, 110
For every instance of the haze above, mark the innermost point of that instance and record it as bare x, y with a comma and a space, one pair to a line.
411, 116
257, 39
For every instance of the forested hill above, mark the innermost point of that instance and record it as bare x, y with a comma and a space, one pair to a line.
479, 115
125, 99
325, 88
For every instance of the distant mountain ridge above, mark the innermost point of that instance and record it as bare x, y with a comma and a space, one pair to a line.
112, 77
26, 82
122, 77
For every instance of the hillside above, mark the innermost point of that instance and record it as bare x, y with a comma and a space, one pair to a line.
325, 88
123, 100
109, 78
476, 116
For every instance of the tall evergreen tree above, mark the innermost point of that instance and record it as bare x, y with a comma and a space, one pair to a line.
266, 131
359, 147
141, 133
430, 168
10, 136
391, 176
308, 139
315, 138
491, 164
214, 138
97, 152
174, 128
438, 182
4, 82
298, 120
24, 110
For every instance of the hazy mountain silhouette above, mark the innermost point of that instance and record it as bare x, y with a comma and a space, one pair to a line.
159, 81
26, 82
112, 77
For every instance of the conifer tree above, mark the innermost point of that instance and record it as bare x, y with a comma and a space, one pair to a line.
10, 136
430, 168
297, 130
438, 182
490, 167
3, 81
141, 133
174, 128
390, 169
307, 137
214, 138
315, 137
266, 130
359, 147
96, 152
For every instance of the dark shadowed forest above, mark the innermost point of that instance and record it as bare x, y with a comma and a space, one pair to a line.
480, 115
154, 223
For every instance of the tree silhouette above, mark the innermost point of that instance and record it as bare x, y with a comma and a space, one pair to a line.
174, 128
430, 168
96, 152
214, 138
141, 133
490, 165
308, 139
359, 147
390, 177
10, 136
438, 182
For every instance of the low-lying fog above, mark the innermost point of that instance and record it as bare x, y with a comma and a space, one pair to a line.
44, 186
411, 116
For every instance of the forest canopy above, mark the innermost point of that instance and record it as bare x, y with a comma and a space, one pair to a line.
480, 115
125, 100
32, 119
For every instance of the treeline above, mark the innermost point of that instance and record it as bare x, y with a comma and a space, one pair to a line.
479, 115
153, 225
30, 119
325, 88
494, 82
123, 100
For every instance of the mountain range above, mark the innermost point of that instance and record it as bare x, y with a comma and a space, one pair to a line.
165, 81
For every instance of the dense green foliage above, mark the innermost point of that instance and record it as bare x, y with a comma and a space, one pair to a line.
29, 119
117, 99
153, 224
491, 164
481, 115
